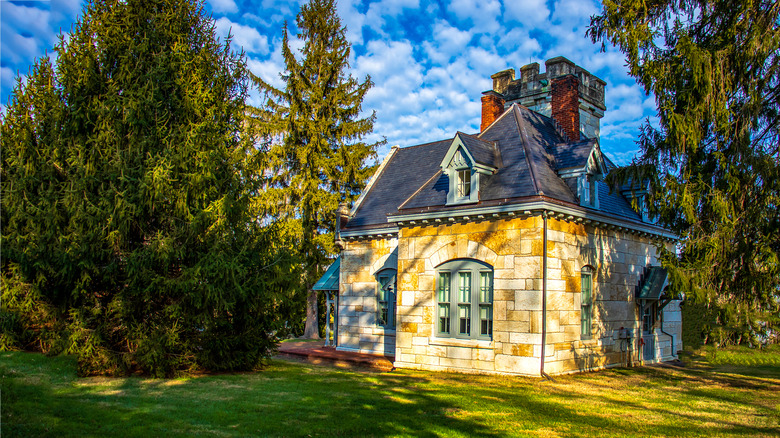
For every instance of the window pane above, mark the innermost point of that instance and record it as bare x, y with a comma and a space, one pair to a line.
464, 316
382, 313
444, 287
485, 320
485, 287
444, 318
464, 287
585, 319
464, 183
586, 191
587, 288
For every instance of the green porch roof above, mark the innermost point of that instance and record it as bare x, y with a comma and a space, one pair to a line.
330, 279
653, 285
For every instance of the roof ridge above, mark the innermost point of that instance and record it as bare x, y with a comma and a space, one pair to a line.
506, 111
477, 137
426, 144
374, 178
524, 136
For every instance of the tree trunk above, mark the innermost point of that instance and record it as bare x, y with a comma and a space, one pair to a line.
312, 328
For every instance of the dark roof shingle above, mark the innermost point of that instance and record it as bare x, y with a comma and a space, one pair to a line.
524, 146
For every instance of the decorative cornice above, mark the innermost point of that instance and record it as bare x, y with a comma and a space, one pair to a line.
534, 208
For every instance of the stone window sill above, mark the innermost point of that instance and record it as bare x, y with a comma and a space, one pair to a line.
471, 343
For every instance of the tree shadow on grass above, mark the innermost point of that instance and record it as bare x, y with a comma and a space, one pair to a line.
42, 396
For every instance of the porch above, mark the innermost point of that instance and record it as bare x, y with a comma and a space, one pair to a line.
314, 352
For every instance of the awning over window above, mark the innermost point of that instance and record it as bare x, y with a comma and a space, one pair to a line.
653, 285
330, 279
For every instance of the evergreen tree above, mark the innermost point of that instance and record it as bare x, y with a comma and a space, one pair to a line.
713, 161
130, 236
319, 159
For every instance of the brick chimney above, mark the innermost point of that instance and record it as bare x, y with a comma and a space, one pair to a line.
492, 108
565, 100
565, 92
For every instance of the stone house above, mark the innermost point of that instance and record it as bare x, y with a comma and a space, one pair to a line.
504, 252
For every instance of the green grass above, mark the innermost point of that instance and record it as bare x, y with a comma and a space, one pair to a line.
42, 397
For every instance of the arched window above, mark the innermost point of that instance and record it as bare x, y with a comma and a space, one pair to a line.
586, 301
386, 298
464, 299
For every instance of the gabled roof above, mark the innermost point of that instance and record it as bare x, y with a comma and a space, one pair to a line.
572, 155
484, 152
406, 171
524, 147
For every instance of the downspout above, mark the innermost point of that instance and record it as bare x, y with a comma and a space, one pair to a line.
544, 295
661, 329
641, 338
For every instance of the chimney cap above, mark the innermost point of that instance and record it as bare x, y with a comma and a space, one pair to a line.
533, 65
508, 72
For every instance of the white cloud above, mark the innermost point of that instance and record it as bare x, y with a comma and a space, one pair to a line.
574, 12
223, 6
447, 42
530, 13
430, 60
243, 36
483, 15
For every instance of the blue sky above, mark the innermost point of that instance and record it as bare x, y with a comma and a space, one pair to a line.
430, 60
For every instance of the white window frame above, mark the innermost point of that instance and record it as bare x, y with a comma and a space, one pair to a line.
451, 304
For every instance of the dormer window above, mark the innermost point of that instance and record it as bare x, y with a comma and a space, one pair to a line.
467, 161
589, 195
636, 194
586, 189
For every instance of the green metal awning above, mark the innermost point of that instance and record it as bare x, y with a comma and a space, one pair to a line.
653, 286
330, 279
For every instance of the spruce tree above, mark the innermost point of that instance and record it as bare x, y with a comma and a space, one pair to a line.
713, 160
319, 158
130, 232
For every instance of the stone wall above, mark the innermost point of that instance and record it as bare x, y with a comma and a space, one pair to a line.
357, 308
514, 248
618, 260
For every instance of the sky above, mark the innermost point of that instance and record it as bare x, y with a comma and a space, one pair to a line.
430, 61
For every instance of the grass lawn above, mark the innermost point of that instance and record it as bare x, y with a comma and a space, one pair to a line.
732, 394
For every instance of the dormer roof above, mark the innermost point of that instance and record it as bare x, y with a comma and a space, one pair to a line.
583, 156
480, 153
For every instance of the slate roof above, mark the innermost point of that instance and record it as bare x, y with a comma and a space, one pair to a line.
572, 155
407, 170
527, 167
484, 152
530, 150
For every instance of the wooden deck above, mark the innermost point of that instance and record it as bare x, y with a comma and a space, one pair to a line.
316, 353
